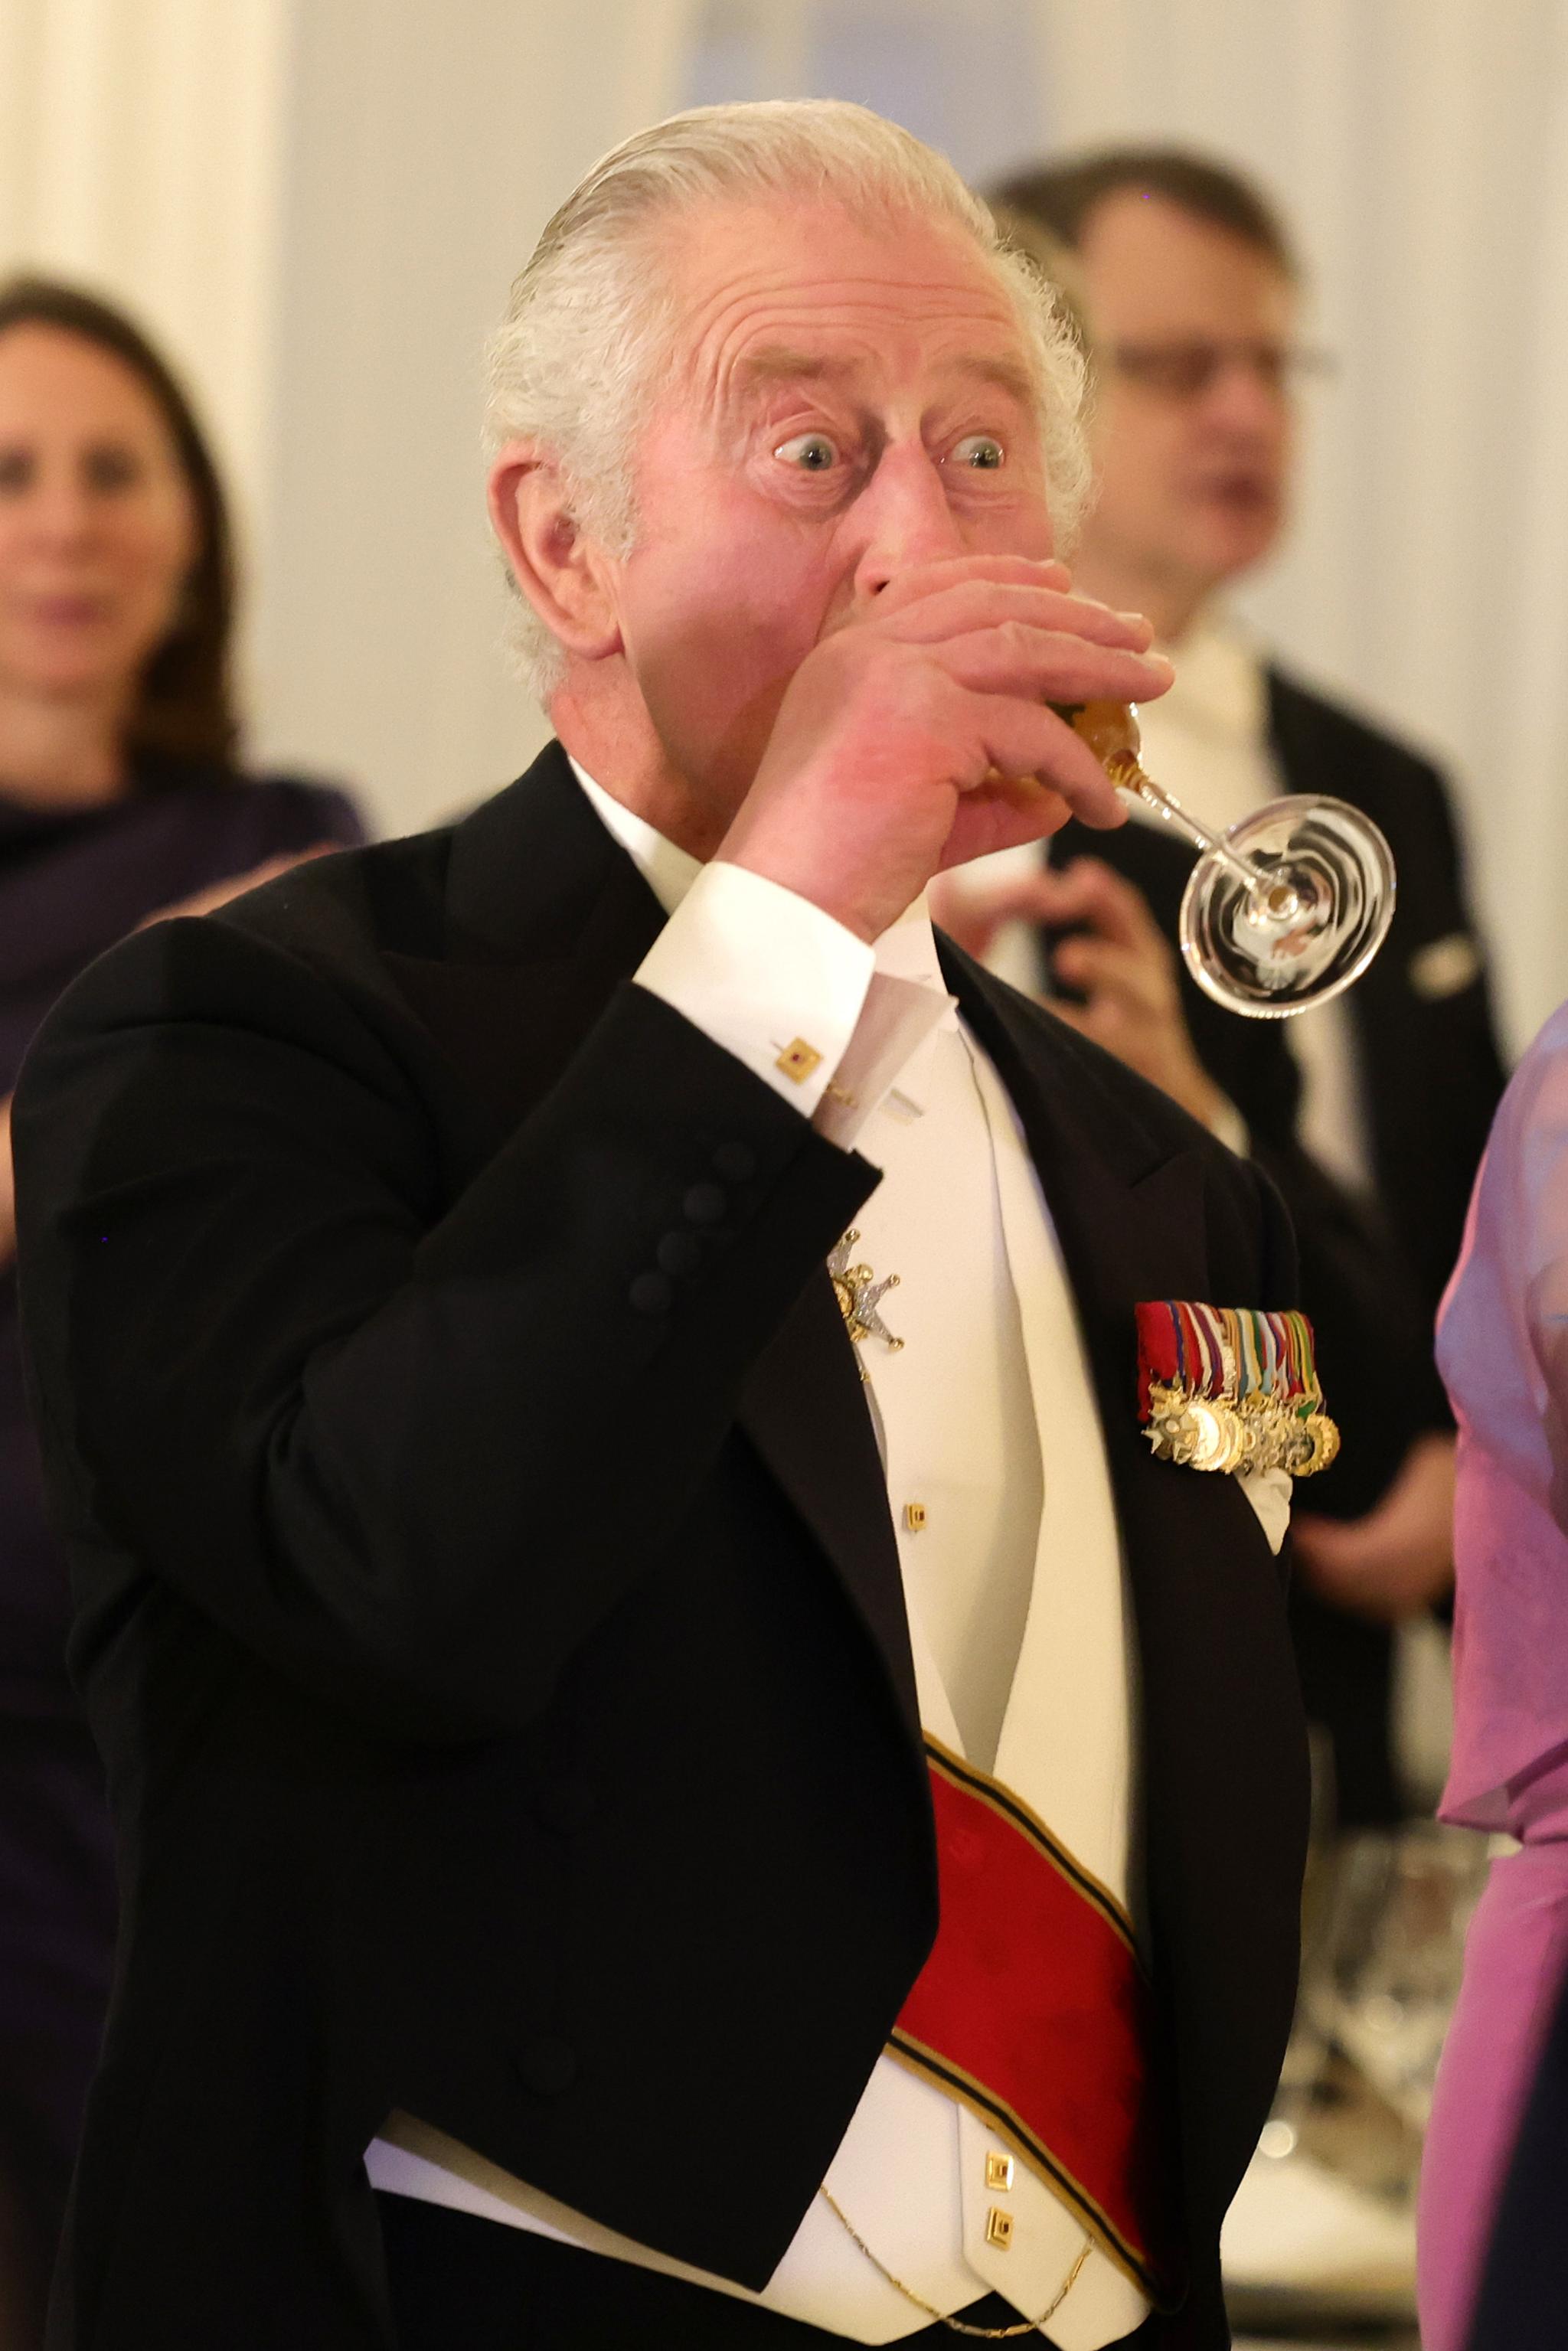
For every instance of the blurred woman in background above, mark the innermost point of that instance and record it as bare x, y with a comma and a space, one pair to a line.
119, 797
1502, 1349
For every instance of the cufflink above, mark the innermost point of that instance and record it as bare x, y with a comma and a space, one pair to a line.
999, 2229
797, 1060
914, 1519
998, 2172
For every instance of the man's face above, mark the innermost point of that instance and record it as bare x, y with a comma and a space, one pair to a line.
1193, 474
851, 400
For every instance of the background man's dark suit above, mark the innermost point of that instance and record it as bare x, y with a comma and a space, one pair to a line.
488, 1603
1372, 1272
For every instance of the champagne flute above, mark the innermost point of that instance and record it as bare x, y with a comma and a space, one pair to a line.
1285, 909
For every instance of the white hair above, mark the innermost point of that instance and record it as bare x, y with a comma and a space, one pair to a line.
588, 338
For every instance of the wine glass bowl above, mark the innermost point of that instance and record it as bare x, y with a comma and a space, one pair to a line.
1304, 923
1284, 909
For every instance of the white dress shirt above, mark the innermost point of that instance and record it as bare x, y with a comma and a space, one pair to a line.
1013, 1579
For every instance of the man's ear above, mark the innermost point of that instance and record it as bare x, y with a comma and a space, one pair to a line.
562, 571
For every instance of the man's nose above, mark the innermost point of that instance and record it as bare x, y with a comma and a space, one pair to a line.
906, 518
1243, 397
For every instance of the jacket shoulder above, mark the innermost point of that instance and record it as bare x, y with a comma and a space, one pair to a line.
388, 897
1306, 724
301, 959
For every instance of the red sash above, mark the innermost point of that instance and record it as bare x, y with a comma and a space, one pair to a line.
1033, 2009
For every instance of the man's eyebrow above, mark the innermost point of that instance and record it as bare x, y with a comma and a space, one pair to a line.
1008, 375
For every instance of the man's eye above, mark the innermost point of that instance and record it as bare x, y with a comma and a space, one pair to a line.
16, 470
811, 452
980, 451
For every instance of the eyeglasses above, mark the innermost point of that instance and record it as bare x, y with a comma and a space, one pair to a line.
1186, 370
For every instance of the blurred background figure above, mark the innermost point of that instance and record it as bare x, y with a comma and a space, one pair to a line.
1371, 1113
119, 793
1503, 1349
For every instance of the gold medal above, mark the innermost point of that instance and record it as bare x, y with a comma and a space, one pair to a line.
1195, 1432
1229, 1388
1322, 1438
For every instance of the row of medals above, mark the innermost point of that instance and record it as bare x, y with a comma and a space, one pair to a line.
1254, 1432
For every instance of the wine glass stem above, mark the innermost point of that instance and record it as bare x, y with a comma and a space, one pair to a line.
1125, 772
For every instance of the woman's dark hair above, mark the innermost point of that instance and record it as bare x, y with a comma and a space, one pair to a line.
185, 704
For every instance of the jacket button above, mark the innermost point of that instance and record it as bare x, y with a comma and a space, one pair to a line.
547, 2065
705, 1203
680, 1253
566, 1806
736, 1162
650, 1293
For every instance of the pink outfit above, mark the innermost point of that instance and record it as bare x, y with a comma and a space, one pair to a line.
1502, 1347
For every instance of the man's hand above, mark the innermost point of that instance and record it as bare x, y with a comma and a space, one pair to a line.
916, 737
1398, 1559
1122, 963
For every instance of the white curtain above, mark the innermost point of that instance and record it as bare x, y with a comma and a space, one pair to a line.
141, 154
429, 143
318, 207
1421, 147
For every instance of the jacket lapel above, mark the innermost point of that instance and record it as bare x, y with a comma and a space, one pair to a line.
1223, 1847
546, 916
805, 1411
1127, 1211
1131, 1215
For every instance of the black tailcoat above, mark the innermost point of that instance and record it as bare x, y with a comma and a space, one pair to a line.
491, 1618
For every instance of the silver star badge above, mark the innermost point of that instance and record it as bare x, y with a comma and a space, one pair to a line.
860, 1296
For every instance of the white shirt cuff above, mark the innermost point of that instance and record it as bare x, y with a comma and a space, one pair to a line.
765, 973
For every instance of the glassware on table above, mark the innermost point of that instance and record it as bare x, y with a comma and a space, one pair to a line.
1282, 910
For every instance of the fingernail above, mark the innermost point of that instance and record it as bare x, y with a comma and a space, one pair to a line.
1158, 663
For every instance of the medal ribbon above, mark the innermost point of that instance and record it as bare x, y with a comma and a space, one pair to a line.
1227, 1387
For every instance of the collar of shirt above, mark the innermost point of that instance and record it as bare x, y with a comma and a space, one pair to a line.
906, 951
1221, 689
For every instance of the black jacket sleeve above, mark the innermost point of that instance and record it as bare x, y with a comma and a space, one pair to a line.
409, 1449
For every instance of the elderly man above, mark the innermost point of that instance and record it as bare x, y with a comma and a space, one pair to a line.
672, 1791
1370, 1113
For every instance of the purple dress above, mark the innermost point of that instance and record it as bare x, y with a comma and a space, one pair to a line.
1503, 1348
70, 885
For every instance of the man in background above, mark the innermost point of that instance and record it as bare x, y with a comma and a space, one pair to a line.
1370, 1113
